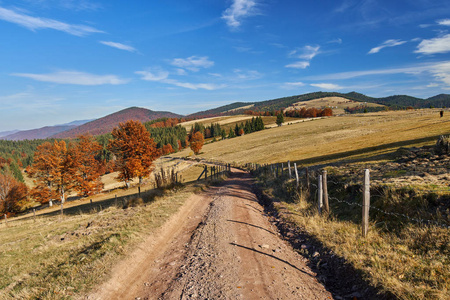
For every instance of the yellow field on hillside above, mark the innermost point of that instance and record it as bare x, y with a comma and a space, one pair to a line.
332, 139
338, 104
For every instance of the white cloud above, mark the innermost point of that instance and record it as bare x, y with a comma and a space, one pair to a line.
119, 46
74, 77
181, 72
292, 85
307, 53
162, 76
435, 45
247, 75
335, 41
385, 44
298, 65
440, 71
237, 11
445, 22
156, 75
34, 23
327, 86
193, 63
195, 86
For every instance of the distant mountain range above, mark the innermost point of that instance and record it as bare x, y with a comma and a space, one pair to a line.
41, 133
106, 124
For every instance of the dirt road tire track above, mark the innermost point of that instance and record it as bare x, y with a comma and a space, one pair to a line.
220, 245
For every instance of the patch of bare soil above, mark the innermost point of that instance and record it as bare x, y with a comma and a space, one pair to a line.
220, 245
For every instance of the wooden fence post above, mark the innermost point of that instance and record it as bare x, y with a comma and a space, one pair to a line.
325, 191
296, 173
6, 220
289, 168
366, 203
320, 194
62, 208
307, 179
282, 169
34, 214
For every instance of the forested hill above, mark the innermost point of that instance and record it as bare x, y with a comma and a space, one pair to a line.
397, 101
107, 123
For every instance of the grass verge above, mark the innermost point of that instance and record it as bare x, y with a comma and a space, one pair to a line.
398, 259
56, 257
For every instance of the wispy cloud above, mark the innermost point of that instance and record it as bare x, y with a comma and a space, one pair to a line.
385, 44
292, 85
247, 75
119, 46
298, 65
35, 23
153, 75
445, 22
306, 53
74, 77
163, 76
239, 10
440, 71
193, 63
327, 86
435, 45
335, 41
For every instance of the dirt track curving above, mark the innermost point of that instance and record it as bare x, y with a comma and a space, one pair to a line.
220, 245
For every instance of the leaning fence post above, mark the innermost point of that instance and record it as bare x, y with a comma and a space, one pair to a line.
320, 194
366, 203
289, 168
296, 173
325, 191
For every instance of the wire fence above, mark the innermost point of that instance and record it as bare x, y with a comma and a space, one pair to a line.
305, 178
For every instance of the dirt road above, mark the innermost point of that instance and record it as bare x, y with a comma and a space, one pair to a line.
220, 245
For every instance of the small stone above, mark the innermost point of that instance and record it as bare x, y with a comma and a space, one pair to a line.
264, 246
316, 254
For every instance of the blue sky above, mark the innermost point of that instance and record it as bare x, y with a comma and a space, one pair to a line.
65, 60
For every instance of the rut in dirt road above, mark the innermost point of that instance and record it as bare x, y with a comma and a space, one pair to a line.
233, 253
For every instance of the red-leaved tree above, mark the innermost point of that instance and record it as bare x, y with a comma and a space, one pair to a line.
197, 142
134, 151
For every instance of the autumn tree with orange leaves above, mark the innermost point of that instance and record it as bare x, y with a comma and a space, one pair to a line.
134, 151
13, 194
197, 142
54, 170
88, 168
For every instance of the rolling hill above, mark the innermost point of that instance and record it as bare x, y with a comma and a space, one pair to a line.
107, 123
396, 101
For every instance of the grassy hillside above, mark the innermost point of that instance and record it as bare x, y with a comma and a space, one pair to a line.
332, 139
396, 101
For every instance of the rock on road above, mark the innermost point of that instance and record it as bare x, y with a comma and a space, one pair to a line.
220, 245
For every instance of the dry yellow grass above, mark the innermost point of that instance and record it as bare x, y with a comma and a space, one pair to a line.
338, 104
54, 257
332, 139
